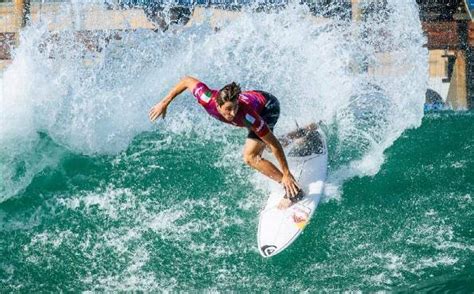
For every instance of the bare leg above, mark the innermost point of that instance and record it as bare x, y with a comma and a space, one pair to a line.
253, 157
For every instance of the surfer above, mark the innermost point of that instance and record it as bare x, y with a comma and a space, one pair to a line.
258, 111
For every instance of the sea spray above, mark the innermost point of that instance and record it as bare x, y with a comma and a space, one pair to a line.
95, 100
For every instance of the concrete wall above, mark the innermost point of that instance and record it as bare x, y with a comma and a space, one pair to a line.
60, 16
439, 79
7, 18
457, 95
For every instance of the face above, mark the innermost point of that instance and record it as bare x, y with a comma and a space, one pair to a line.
228, 110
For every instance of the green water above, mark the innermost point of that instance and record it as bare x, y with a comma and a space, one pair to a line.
179, 212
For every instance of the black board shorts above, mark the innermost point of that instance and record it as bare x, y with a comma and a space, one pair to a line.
270, 114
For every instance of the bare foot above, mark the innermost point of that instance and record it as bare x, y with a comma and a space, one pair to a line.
284, 203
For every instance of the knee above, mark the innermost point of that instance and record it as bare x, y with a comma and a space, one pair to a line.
251, 159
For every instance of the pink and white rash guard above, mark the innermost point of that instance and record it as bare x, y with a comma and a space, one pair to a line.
251, 103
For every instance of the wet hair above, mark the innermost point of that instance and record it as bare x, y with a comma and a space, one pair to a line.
230, 92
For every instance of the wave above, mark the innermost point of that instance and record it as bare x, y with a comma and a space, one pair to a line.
95, 101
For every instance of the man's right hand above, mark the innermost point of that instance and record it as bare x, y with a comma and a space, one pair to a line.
290, 185
157, 110
291, 189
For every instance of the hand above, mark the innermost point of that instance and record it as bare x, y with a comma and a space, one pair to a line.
290, 185
157, 110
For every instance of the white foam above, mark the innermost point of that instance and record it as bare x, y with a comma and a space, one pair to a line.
433, 262
110, 202
95, 102
133, 278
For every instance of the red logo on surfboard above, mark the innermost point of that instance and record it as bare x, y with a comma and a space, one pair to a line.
300, 216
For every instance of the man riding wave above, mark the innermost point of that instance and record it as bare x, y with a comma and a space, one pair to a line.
258, 111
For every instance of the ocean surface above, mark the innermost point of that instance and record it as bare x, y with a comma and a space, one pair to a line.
94, 197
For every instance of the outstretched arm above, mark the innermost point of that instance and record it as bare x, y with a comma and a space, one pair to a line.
160, 108
288, 181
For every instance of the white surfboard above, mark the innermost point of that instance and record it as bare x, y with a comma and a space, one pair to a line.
278, 228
